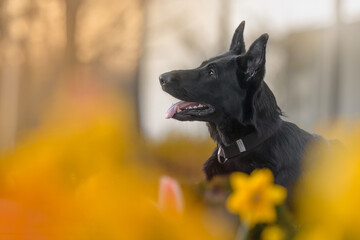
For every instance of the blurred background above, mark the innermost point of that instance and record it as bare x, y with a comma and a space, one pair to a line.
82, 108
312, 61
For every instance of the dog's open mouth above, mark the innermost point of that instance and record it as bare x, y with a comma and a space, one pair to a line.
189, 109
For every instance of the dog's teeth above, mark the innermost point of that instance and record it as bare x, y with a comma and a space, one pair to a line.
200, 105
178, 110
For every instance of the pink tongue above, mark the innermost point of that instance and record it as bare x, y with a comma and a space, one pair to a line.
172, 110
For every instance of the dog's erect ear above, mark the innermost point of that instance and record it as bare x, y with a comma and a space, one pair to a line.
255, 57
237, 43
252, 71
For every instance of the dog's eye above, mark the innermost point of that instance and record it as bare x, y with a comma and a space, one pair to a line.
211, 73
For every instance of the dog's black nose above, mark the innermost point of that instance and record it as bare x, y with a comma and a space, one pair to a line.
164, 79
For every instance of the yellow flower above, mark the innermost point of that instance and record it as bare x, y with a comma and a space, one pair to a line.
83, 178
255, 196
328, 194
273, 232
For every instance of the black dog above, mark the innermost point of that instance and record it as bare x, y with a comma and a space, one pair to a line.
229, 93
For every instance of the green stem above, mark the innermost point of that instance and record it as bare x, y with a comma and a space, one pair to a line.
242, 231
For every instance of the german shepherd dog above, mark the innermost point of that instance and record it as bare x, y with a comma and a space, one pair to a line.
229, 93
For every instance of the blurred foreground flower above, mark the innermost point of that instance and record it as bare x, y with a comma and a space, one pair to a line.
80, 176
328, 196
170, 195
255, 197
273, 232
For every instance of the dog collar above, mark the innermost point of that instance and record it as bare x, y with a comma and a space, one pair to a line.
243, 145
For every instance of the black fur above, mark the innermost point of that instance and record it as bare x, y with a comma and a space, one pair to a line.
232, 84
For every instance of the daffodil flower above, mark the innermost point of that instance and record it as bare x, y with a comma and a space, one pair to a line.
255, 197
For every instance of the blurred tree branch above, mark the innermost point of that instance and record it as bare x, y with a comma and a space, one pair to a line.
9, 70
336, 63
72, 7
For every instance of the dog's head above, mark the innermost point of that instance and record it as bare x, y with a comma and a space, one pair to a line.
223, 86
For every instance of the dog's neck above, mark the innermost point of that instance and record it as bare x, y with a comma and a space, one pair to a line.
266, 120
229, 131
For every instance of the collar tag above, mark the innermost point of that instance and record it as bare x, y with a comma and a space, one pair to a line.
221, 154
241, 145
